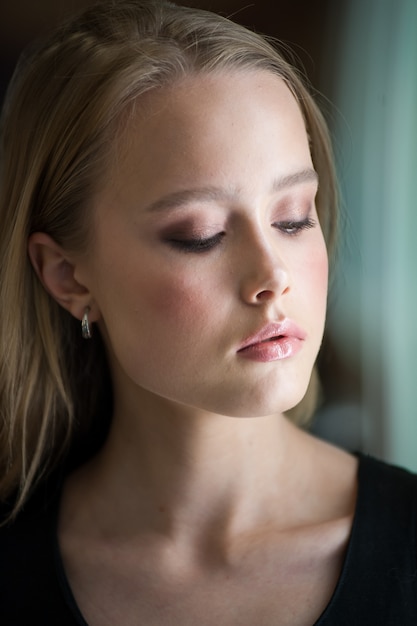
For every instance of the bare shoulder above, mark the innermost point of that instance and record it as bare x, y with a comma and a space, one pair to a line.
330, 454
324, 494
337, 475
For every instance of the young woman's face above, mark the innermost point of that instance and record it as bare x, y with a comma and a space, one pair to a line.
208, 264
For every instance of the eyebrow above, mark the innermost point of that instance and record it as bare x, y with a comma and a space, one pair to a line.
215, 194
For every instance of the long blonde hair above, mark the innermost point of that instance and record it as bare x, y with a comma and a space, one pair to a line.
60, 119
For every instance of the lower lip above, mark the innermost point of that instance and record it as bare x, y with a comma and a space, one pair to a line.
275, 350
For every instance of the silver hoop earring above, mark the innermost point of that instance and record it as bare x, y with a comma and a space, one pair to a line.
85, 324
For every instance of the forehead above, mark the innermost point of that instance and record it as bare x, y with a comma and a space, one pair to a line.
237, 94
213, 126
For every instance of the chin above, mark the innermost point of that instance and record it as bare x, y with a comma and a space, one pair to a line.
256, 403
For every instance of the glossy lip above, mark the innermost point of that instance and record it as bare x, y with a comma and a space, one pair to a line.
275, 341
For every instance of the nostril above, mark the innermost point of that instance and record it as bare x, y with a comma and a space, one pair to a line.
265, 294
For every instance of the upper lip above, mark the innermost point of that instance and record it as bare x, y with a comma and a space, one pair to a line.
274, 330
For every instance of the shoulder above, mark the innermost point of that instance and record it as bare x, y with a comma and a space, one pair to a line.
378, 584
25, 539
385, 525
30, 586
386, 485
40, 508
387, 504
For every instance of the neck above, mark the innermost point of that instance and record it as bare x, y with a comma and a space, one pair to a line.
176, 469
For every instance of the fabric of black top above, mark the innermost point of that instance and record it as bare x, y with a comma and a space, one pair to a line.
377, 585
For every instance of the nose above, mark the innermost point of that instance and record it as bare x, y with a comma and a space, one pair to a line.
264, 275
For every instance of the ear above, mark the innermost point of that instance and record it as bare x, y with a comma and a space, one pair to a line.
56, 271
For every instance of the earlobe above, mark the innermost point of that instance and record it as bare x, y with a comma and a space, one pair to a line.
56, 272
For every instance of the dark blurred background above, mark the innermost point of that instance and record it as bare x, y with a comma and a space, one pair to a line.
300, 23
361, 57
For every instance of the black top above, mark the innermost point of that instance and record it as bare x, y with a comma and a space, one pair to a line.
377, 586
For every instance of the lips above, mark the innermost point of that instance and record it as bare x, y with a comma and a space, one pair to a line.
274, 341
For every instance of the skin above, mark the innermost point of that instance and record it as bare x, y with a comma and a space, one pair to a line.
192, 416
180, 308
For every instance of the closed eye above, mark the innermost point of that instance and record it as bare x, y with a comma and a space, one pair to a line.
292, 227
197, 244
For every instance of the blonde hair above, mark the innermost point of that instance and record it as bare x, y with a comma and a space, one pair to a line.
61, 116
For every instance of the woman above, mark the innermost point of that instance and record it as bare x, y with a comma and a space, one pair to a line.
168, 202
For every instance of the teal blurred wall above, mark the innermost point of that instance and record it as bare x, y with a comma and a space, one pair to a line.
370, 70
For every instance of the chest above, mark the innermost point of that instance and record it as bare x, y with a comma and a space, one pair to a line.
271, 587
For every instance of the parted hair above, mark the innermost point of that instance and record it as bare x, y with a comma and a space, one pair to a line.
66, 105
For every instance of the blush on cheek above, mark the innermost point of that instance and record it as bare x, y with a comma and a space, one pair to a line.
177, 300
318, 265
319, 272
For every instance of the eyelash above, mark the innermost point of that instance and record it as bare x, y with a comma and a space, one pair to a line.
200, 245
293, 228
197, 244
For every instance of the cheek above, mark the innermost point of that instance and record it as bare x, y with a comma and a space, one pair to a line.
177, 299
314, 278
320, 270
164, 316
